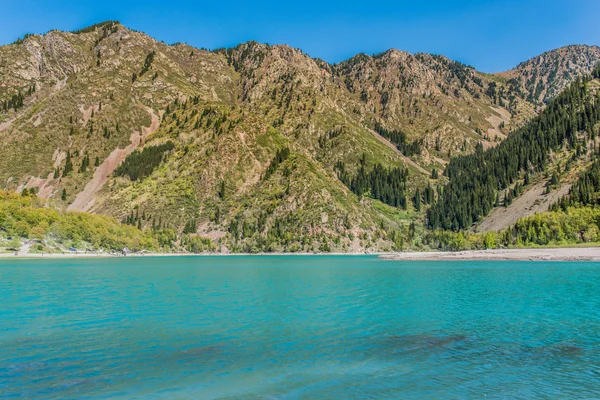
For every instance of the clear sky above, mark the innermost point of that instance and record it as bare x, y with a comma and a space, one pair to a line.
491, 35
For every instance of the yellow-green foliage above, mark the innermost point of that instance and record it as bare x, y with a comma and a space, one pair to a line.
554, 228
198, 244
576, 225
25, 217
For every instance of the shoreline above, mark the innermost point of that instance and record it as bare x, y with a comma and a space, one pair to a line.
138, 255
527, 254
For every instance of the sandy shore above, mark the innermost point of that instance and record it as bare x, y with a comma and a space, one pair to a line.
547, 254
80, 255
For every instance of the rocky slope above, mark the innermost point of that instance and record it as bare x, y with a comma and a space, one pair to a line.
543, 77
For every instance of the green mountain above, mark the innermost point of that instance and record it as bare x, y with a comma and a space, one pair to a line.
567, 127
557, 151
257, 147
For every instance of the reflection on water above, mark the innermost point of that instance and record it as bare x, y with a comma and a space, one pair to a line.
294, 327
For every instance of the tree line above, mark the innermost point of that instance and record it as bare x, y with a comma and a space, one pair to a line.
584, 191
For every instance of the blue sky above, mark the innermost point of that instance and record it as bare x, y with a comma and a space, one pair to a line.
491, 35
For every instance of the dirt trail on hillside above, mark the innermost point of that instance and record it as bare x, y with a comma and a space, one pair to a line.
85, 199
395, 148
530, 202
44, 185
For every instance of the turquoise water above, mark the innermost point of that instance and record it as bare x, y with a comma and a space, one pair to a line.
298, 327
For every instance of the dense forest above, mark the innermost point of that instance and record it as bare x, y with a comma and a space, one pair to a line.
385, 185
584, 191
401, 141
476, 179
140, 164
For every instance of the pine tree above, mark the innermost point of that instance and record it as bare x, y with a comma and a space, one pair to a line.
84, 164
417, 200
221, 190
68, 165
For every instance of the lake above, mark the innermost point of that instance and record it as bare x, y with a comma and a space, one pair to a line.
295, 327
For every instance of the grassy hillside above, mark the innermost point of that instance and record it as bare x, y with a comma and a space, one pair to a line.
226, 172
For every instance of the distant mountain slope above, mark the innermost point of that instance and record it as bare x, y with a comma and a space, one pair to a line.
545, 76
91, 95
446, 105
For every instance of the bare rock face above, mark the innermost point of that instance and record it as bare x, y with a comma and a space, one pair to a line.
50, 57
428, 97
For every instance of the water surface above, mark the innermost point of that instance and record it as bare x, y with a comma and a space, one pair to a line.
298, 327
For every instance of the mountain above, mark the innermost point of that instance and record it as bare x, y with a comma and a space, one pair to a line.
543, 77
251, 148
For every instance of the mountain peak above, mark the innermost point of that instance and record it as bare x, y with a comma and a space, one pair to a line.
544, 76
101, 26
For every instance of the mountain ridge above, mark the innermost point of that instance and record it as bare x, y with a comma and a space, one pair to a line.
89, 28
